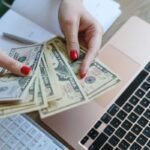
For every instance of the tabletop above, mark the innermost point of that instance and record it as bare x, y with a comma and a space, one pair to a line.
129, 8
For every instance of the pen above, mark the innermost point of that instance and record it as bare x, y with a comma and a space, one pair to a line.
18, 38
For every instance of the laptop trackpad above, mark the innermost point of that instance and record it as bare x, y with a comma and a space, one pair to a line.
122, 65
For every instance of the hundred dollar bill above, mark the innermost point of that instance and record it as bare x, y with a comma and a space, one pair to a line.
99, 76
39, 97
13, 87
49, 83
72, 92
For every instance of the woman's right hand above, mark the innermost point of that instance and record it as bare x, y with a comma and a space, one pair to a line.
13, 66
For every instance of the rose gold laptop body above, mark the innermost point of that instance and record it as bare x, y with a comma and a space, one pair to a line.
125, 53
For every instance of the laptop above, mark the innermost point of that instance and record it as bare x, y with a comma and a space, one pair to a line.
120, 118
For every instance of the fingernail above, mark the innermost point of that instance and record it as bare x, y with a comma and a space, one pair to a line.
82, 74
26, 70
73, 55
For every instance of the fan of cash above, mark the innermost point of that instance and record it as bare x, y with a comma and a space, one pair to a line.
54, 84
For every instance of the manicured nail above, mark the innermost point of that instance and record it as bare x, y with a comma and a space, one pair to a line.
26, 70
73, 55
82, 74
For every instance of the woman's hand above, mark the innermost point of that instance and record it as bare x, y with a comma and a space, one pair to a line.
79, 26
13, 66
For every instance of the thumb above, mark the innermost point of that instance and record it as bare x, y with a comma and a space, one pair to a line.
71, 35
13, 66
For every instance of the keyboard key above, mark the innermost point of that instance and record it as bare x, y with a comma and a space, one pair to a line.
5, 147
128, 107
12, 142
147, 114
126, 125
97, 125
106, 118
148, 144
148, 79
2, 130
120, 132
145, 86
121, 115
124, 145
6, 122
115, 122
19, 146
109, 130
142, 140
107, 147
39, 136
148, 67
19, 120
131, 88
146, 132
130, 137
114, 140
33, 132
33, 144
135, 146
84, 140
133, 100
145, 148
1, 143
99, 142
26, 126
142, 121
136, 129
19, 134
13, 128
26, 139
93, 133
113, 110
139, 110
145, 102
148, 95
133, 117
6, 135
139, 93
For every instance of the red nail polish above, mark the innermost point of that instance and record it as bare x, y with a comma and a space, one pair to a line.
73, 55
82, 75
26, 70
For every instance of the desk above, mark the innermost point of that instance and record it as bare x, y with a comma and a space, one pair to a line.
129, 8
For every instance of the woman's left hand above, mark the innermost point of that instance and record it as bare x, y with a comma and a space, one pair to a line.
79, 26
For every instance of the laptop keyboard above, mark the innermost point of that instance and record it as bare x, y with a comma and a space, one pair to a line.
126, 124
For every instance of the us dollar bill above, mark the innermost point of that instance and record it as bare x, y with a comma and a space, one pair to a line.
29, 100
49, 82
72, 92
13, 87
38, 95
99, 76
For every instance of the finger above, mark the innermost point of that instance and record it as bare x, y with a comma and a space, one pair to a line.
94, 46
14, 66
71, 35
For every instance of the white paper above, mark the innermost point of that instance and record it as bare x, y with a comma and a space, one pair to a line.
42, 12
41, 19
45, 12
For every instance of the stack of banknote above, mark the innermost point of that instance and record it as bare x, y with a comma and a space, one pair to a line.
54, 84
